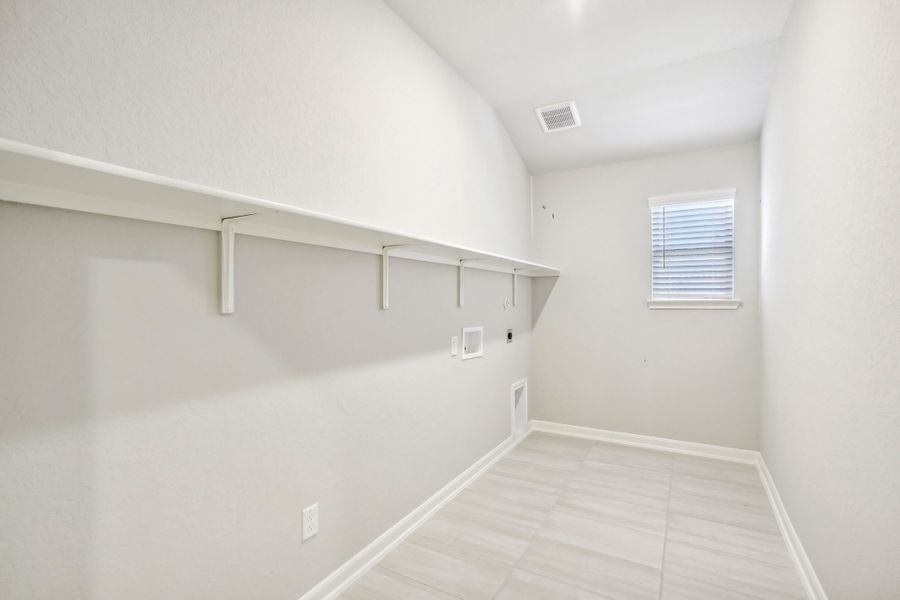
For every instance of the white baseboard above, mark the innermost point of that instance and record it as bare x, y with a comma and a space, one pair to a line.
650, 442
808, 576
354, 568
346, 574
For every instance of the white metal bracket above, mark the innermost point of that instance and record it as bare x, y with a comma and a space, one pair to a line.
229, 224
515, 285
386, 275
461, 289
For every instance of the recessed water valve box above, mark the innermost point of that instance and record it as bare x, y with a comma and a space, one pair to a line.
473, 342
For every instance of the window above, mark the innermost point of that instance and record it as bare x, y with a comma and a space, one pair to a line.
692, 242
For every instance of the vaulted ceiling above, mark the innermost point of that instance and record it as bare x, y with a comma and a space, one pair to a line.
647, 76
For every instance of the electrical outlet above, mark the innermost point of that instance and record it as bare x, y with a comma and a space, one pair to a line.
310, 521
454, 345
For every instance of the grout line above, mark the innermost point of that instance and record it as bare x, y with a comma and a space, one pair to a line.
804, 571
508, 573
788, 566
570, 476
574, 586
403, 577
662, 564
731, 592
565, 511
531, 464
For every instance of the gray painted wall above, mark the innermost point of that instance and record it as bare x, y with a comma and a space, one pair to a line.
831, 291
601, 358
153, 448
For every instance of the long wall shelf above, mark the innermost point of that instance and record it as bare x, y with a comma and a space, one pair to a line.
33, 175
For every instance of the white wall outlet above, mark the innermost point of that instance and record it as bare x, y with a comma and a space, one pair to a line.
454, 345
310, 521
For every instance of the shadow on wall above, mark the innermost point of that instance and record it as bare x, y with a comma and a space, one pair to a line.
140, 317
126, 399
541, 289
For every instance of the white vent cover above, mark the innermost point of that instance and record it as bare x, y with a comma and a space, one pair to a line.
558, 117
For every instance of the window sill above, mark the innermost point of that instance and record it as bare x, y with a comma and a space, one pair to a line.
699, 304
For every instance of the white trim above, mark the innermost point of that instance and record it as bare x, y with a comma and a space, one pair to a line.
650, 442
808, 577
693, 304
687, 197
345, 575
522, 384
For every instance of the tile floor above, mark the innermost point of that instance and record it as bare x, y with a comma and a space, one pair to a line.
561, 517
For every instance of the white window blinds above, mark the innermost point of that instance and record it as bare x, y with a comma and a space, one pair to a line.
693, 246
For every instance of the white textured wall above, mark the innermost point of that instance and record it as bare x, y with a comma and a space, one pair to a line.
152, 448
601, 358
831, 291
332, 105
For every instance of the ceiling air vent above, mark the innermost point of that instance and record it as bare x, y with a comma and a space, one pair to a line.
557, 117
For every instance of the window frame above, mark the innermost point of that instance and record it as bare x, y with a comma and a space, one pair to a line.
696, 303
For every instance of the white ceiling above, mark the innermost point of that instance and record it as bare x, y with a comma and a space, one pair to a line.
648, 76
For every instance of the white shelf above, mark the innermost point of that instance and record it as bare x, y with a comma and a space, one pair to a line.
33, 175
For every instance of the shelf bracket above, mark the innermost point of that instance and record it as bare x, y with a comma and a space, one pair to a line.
229, 225
386, 275
461, 284
515, 285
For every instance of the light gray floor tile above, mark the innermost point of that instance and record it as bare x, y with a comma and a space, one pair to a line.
630, 456
614, 504
543, 479
754, 578
517, 513
722, 501
615, 578
533, 492
560, 445
642, 486
379, 584
560, 518
523, 585
719, 470
749, 543
599, 536
543, 459
471, 536
456, 575
676, 587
